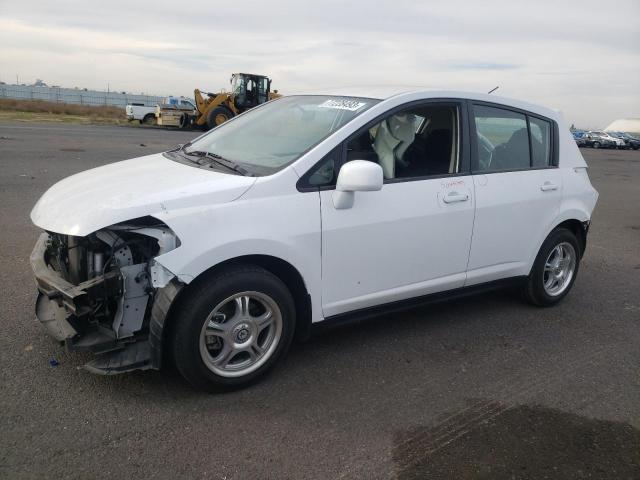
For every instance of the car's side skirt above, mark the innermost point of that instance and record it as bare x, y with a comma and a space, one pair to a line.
357, 316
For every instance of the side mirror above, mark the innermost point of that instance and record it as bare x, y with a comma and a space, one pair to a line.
356, 176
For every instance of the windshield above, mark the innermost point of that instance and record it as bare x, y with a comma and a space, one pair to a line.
270, 137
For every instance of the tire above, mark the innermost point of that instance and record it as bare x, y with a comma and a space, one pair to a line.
540, 288
596, 144
218, 116
184, 120
149, 119
215, 321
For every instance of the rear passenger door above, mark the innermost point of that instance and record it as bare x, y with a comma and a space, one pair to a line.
517, 187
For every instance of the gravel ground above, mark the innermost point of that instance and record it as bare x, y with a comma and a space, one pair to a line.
486, 387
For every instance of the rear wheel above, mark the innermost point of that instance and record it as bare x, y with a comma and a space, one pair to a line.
184, 120
218, 116
232, 328
149, 119
554, 270
596, 144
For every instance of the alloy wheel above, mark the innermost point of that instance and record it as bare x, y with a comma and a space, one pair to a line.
559, 269
240, 334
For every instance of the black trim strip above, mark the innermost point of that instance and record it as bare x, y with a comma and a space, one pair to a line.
526, 117
360, 315
526, 169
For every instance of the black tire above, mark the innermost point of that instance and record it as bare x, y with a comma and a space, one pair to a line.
596, 144
149, 119
200, 300
534, 290
218, 116
184, 120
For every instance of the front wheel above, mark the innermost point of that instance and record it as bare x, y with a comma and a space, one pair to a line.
218, 116
232, 328
554, 270
596, 144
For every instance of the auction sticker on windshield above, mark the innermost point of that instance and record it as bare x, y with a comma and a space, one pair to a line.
343, 104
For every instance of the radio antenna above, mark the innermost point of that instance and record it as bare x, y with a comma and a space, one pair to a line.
493, 90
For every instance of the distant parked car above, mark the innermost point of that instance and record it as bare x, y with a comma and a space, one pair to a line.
595, 140
629, 141
578, 136
618, 142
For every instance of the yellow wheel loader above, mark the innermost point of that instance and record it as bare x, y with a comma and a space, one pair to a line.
247, 91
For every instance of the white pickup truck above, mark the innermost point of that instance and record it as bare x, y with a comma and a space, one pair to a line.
142, 113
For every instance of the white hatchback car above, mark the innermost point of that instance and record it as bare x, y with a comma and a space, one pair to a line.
307, 209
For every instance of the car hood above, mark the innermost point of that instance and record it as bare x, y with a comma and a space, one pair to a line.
151, 185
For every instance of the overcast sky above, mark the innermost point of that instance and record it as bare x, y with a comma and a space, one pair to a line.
582, 57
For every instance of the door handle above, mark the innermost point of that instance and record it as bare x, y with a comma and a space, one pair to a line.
454, 197
548, 186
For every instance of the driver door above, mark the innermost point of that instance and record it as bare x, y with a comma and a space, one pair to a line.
412, 237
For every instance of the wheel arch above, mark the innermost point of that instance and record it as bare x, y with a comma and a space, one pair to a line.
282, 269
576, 222
578, 228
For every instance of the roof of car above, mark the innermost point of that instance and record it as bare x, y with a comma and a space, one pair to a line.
385, 92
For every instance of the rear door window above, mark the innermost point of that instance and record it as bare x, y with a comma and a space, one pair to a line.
503, 139
510, 140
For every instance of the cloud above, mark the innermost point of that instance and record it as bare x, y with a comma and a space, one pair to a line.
560, 54
484, 66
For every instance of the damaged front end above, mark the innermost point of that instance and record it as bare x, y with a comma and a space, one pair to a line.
102, 292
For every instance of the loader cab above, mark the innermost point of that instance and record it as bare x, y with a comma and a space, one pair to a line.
249, 90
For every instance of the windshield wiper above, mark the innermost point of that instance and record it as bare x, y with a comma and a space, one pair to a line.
219, 160
180, 147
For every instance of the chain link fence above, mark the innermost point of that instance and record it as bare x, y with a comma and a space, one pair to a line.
75, 96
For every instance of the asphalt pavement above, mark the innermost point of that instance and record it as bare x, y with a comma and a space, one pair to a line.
486, 387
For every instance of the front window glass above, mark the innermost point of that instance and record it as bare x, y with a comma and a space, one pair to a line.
415, 143
237, 84
411, 144
268, 138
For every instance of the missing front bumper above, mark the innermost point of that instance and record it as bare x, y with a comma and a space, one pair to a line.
66, 311
76, 299
54, 319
